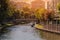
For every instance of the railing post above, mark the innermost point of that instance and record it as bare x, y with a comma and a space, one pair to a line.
56, 25
48, 24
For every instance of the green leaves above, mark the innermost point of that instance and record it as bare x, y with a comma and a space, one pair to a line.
3, 10
58, 6
39, 13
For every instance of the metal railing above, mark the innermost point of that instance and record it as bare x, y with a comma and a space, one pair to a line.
51, 25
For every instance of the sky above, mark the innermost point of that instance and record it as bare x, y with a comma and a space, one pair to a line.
27, 1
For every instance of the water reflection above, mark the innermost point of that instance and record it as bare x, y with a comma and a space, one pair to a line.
26, 32
48, 36
20, 32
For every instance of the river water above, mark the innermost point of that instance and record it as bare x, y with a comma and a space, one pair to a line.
26, 32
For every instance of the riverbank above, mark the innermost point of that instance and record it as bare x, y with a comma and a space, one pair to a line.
9, 24
42, 27
5, 25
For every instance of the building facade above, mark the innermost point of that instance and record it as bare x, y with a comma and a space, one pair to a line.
51, 4
38, 4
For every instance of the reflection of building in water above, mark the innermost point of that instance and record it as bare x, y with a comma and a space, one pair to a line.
49, 36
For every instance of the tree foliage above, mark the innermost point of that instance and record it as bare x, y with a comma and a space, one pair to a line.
58, 6
3, 10
39, 13
11, 9
43, 14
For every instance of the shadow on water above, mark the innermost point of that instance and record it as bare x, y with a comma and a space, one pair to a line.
48, 36
3, 31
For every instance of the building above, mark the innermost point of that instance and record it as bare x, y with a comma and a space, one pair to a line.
37, 4
51, 4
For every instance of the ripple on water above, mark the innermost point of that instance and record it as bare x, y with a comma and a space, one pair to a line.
19, 32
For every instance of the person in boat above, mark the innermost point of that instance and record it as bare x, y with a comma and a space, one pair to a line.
33, 24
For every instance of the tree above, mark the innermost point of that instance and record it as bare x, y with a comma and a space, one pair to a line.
16, 14
26, 12
39, 13
3, 10
58, 7
11, 8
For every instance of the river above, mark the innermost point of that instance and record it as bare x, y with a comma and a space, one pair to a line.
26, 32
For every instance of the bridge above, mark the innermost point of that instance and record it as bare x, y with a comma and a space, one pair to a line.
25, 20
